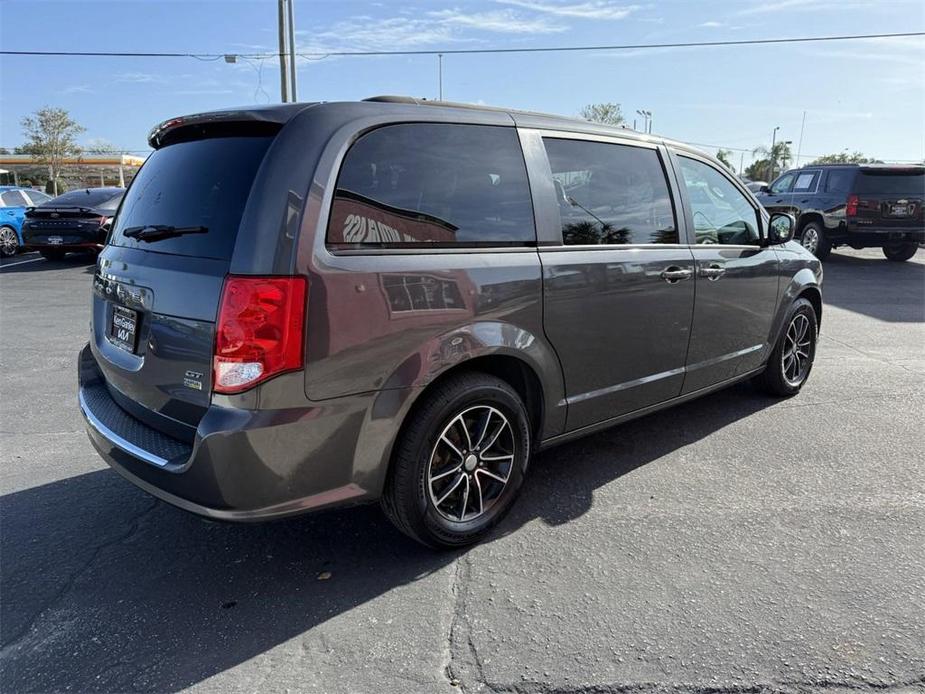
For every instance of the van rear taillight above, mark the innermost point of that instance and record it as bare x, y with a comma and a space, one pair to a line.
851, 209
259, 332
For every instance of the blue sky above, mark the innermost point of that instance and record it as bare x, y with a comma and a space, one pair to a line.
862, 95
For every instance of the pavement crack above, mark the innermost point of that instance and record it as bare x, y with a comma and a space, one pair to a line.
462, 656
132, 527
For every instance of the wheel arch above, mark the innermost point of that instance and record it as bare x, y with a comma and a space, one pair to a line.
803, 284
807, 218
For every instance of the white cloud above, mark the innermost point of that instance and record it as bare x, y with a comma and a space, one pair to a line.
589, 9
498, 21
140, 78
78, 89
766, 6
712, 24
421, 30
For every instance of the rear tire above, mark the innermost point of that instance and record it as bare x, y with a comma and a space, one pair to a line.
53, 255
900, 252
792, 358
814, 239
460, 461
9, 241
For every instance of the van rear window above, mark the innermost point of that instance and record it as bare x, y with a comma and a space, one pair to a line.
892, 182
200, 183
433, 185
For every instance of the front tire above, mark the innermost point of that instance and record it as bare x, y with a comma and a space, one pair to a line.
460, 462
900, 252
814, 239
9, 241
792, 358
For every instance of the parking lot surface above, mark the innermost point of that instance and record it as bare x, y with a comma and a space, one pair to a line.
737, 543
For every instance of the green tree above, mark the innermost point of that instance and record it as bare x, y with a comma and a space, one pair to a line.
100, 146
779, 156
844, 158
759, 170
50, 138
725, 155
608, 114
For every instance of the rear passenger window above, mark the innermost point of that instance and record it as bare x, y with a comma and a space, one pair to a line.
433, 185
610, 194
806, 182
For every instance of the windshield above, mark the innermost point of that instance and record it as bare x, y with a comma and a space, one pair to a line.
892, 182
85, 197
202, 183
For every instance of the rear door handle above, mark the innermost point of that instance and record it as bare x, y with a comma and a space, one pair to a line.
714, 272
675, 274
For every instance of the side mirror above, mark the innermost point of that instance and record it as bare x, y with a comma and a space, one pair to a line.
781, 228
764, 189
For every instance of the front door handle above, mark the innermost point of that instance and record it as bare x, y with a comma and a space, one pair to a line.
675, 274
714, 272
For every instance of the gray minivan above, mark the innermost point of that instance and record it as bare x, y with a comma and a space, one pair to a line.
310, 305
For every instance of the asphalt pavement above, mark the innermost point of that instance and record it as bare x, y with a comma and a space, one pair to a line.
734, 544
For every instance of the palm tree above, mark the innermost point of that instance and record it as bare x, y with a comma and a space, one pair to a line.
780, 152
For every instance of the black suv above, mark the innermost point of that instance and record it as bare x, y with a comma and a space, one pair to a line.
308, 305
861, 206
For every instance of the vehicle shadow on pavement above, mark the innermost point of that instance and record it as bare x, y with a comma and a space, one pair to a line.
107, 589
875, 287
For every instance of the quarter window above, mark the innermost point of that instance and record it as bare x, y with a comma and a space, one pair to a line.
434, 185
839, 180
610, 194
721, 213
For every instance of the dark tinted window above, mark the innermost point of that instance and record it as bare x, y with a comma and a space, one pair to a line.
892, 182
610, 194
839, 180
190, 184
14, 198
433, 184
37, 198
83, 197
805, 182
722, 214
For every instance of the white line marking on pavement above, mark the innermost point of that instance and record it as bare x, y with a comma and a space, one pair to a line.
21, 262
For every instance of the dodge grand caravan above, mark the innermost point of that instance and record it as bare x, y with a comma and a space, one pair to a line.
310, 305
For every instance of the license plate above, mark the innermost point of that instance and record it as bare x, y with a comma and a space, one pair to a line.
55, 240
123, 328
899, 210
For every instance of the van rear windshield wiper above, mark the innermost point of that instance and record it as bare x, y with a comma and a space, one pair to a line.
156, 232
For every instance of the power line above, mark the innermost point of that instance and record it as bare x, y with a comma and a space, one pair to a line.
467, 51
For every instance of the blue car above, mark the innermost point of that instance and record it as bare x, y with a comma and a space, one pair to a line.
13, 204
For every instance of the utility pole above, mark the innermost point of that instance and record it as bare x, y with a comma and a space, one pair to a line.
283, 54
290, 26
800, 145
440, 74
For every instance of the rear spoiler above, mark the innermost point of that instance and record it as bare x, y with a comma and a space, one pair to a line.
244, 121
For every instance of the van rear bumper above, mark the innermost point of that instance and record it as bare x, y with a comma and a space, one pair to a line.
244, 465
